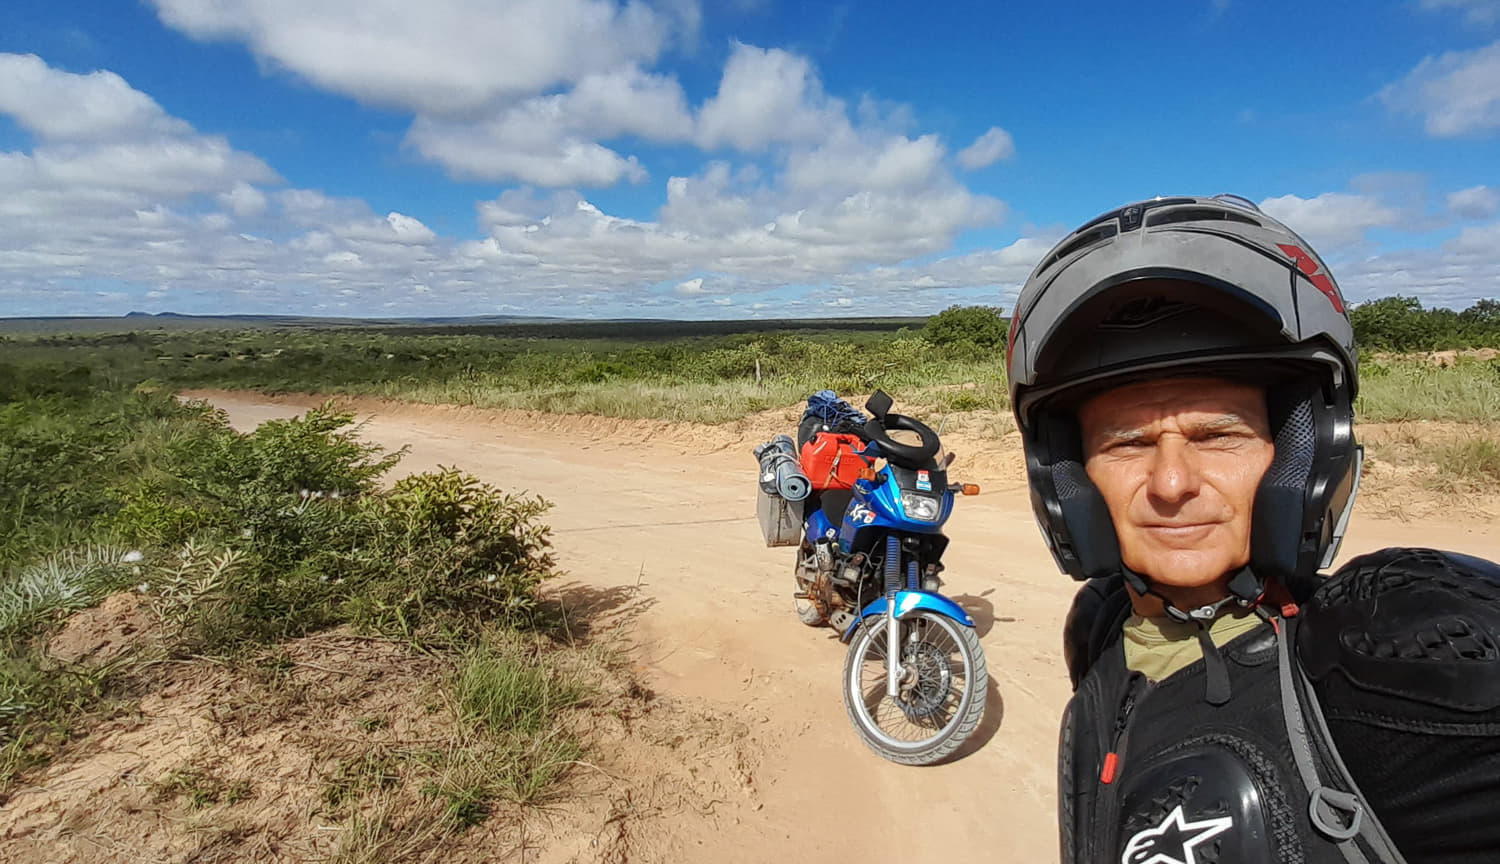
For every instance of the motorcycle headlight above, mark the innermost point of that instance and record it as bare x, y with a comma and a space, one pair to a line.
923, 508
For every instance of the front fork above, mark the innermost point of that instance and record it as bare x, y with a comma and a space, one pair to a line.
892, 623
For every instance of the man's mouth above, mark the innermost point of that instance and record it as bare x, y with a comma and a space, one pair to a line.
1180, 530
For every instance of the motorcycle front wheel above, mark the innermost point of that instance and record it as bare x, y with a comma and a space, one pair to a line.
941, 695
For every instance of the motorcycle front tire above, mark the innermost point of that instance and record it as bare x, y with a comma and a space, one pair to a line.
864, 697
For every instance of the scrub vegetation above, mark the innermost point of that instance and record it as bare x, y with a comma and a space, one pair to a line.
223, 549
697, 372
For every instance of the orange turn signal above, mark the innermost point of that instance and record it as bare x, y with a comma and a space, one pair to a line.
971, 489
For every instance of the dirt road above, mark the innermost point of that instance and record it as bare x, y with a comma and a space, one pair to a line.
669, 511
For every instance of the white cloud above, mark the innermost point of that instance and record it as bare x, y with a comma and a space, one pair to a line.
113, 185
187, 217
527, 90
59, 105
503, 150
626, 102
1331, 220
434, 57
550, 140
768, 96
395, 228
1475, 11
1457, 93
850, 161
244, 200
866, 212
408, 230
1452, 274
1475, 202
117, 191
987, 149
105, 145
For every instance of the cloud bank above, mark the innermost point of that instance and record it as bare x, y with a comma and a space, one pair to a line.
790, 199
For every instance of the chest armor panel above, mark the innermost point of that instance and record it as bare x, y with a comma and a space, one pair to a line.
1191, 782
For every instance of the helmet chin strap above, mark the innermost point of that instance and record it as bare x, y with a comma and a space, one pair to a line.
1245, 591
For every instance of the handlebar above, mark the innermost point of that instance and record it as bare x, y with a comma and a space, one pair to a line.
905, 455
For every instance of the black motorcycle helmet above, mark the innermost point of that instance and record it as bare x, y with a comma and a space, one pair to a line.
1190, 286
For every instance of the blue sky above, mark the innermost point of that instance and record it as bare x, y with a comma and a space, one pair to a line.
714, 158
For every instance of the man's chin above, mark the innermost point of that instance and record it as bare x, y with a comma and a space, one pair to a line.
1181, 569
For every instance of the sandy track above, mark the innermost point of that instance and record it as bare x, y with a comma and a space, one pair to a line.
669, 509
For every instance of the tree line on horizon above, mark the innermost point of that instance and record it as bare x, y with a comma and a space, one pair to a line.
1398, 323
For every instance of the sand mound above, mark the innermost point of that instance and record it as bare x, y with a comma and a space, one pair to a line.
255, 761
120, 623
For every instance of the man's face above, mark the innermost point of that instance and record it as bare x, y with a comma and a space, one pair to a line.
1178, 461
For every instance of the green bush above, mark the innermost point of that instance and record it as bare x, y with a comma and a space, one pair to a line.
969, 326
1401, 324
461, 553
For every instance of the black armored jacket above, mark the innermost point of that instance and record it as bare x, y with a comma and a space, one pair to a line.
1363, 730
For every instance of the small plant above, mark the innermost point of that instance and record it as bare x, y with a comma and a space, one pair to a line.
189, 585
354, 777
201, 787
444, 553
391, 827
60, 583
508, 689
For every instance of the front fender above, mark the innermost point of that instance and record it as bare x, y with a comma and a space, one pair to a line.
908, 602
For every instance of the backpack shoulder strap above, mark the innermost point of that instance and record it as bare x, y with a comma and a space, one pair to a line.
1337, 809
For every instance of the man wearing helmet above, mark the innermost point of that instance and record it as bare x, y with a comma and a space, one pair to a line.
1183, 374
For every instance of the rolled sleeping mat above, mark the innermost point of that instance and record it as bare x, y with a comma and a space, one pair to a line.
781, 475
781, 471
790, 481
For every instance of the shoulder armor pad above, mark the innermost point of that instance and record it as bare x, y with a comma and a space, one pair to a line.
1417, 624
1098, 613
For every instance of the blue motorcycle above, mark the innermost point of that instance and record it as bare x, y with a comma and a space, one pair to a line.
914, 678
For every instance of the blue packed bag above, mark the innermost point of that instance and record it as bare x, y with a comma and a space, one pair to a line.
826, 412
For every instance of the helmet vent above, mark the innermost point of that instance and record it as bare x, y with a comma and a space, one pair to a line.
1098, 235
1199, 214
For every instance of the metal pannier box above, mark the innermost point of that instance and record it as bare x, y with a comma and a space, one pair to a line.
780, 519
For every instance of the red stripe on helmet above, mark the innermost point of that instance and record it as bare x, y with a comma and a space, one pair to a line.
1309, 266
1010, 338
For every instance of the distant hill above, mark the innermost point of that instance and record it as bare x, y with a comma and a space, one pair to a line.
522, 326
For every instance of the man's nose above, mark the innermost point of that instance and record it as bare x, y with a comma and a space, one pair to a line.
1174, 470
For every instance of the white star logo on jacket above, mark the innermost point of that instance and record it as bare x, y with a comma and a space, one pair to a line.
1173, 841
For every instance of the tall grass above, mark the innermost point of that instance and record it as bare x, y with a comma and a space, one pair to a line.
515, 700
1476, 459
1415, 389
